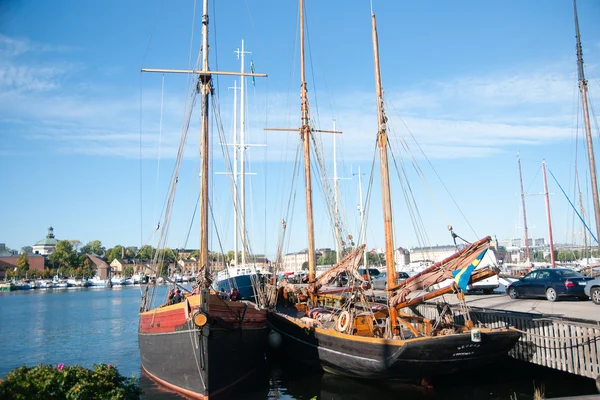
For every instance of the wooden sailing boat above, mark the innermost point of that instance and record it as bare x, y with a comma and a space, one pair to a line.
203, 345
354, 337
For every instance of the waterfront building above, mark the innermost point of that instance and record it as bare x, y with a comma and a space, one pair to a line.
292, 262
432, 254
46, 246
401, 257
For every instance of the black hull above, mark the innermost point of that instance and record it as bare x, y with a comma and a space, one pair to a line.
379, 358
176, 359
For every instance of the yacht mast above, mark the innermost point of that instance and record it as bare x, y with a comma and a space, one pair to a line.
336, 199
235, 176
524, 212
305, 132
586, 120
243, 154
548, 216
362, 218
382, 142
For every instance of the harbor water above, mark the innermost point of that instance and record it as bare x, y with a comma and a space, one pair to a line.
98, 325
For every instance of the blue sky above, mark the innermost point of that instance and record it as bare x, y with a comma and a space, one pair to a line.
474, 82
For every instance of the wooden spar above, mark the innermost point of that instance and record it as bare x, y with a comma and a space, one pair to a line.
477, 276
524, 213
586, 120
305, 134
446, 260
200, 72
300, 129
384, 171
204, 87
548, 216
205, 84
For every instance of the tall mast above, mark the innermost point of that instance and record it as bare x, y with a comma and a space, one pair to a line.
243, 155
305, 131
235, 173
382, 142
524, 212
336, 199
362, 217
205, 84
586, 120
548, 216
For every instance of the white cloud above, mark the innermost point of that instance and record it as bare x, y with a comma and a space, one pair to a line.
472, 116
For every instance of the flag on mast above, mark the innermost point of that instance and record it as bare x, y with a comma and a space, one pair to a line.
252, 70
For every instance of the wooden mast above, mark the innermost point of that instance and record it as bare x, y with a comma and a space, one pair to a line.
524, 212
548, 216
305, 131
586, 120
204, 86
382, 142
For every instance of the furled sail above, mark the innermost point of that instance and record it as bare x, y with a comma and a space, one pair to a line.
348, 264
440, 271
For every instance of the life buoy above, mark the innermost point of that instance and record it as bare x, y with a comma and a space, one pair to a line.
343, 321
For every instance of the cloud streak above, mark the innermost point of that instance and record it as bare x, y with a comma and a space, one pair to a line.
463, 117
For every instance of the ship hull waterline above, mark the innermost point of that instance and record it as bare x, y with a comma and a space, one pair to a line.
202, 362
375, 358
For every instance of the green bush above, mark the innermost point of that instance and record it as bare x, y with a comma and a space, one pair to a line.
42, 382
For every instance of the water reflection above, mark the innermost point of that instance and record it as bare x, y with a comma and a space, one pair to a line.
90, 326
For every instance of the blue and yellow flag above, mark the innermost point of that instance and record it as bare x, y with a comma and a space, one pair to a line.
462, 276
252, 70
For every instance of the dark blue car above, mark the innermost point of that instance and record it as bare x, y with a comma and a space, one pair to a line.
550, 283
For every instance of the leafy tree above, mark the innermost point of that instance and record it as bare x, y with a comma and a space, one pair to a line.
130, 252
76, 244
64, 256
328, 258
376, 258
115, 252
94, 247
23, 265
128, 271
565, 256
27, 249
164, 268
305, 265
88, 268
146, 252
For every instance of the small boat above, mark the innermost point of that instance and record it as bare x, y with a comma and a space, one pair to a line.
59, 283
97, 281
242, 277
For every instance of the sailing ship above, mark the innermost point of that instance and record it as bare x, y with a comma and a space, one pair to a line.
352, 336
203, 345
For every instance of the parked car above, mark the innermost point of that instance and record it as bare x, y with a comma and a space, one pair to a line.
551, 283
373, 272
487, 286
592, 289
380, 282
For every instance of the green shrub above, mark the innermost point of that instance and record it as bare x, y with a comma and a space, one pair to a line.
42, 382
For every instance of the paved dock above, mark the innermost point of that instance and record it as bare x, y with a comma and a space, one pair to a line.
569, 308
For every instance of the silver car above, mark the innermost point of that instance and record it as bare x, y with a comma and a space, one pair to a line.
592, 289
380, 282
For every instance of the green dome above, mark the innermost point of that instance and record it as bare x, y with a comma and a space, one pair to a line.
49, 240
